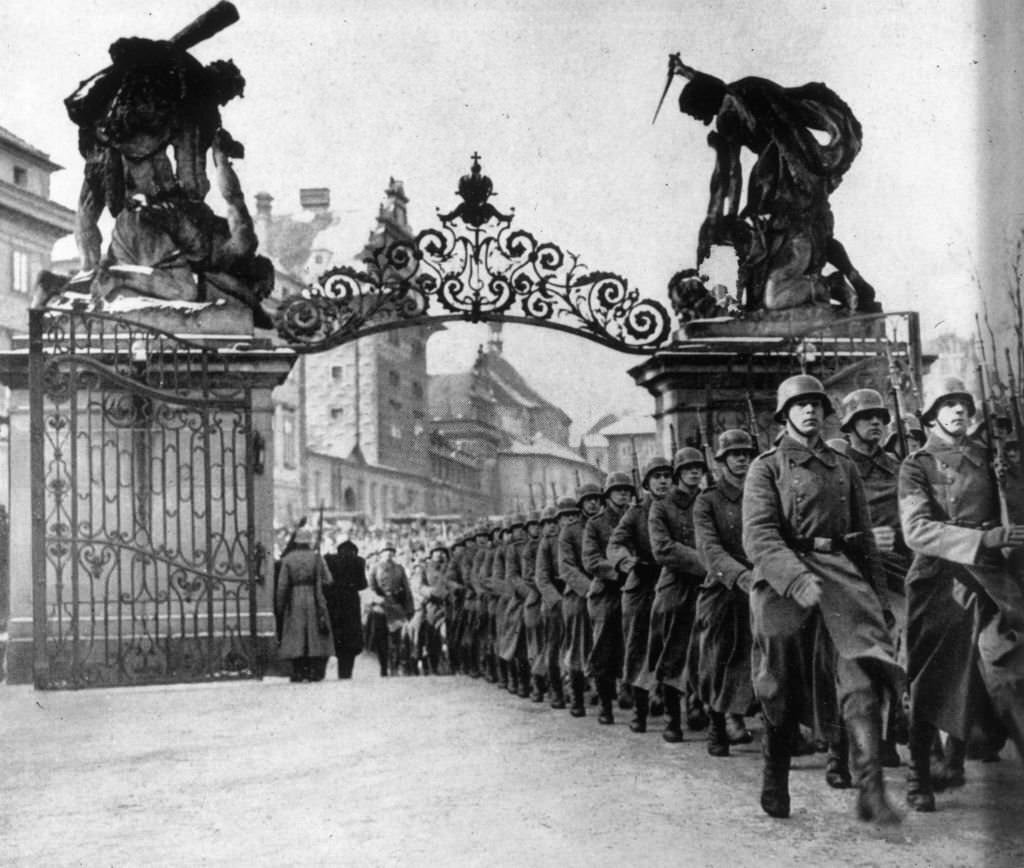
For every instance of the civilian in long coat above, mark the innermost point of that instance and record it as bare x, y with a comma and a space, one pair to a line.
807, 530
578, 638
604, 599
965, 608
550, 586
629, 551
305, 626
348, 571
533, 623
723, 611
674, 611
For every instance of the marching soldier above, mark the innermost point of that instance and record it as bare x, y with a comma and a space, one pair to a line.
629, 551
965, 610
578, 640
604, 599
864, 419
436, 593
512, 644
455, 605
550, 585
507, 678
722, 608
674, 610
392, 606
533, 623
481, 571
807, 530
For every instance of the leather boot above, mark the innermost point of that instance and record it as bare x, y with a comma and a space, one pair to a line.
949, 773
696, 716
736, 730
557, 690
673, 708
863, 719
490, 669
920, 795
776, 744
539, 688
625, 696
502, 672
718, 739
641, 705
606, 696
837, 764
524, 678
577, 684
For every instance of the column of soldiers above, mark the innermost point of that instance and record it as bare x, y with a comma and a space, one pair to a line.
818, 584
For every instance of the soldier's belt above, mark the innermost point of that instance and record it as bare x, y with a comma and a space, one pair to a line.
826, 545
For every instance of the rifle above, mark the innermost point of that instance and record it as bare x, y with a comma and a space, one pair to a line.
993, 444
1018, 431
319, 528
707, 446
672, 438
636, 469
668, 84
752, 427
894, 394
288, 546
533, 503
554, 494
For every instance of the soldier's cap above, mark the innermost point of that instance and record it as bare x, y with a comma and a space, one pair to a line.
801, 386
548, 515
387, 547
566, 506
587, 489
303, 536
618, 480
482, 530
653, 465
687, 457
439, 546
517, 520
860, 402
533, 517
949, 387
734, 440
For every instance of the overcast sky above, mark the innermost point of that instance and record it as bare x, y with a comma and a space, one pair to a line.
557, 97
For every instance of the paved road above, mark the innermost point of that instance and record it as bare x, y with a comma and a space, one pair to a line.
427, 771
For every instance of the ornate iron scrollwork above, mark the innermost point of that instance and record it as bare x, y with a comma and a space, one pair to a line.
475, 268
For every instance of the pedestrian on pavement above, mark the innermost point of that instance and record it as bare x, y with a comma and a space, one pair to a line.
674, 610
390, 609
578, 641
348, 572
723, 610
629, 551
305, 624
604, 598
807, 530
965, 608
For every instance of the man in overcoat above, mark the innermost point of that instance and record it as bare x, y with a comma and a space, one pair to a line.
500, 592
550, 586
512, 641
435, 592
481, 573
604, 599
533, 623
576, 647
807, 530
723, 611
674, 610
965, 608
629, 551
305, 624
391, 607
348, 572
455, 606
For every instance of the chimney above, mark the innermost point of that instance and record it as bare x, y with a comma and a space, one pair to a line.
264, 205
318, 201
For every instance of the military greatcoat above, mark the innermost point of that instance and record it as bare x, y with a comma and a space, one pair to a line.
604, 599
550, 586
804, 510
674, 611
300, 599
629, 551
512, 643
578, 637
965, 609
533, 625
723, 612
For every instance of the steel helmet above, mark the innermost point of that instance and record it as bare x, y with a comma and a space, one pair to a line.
911, 426
516, 520
734, 440
862, 401
687, 457
657, 463
533, 517
587, 489
439, 546
948, 387
566, 506
800, 386
617, 480
548, 515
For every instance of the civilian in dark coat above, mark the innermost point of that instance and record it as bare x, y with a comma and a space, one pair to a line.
305, 628
349, 573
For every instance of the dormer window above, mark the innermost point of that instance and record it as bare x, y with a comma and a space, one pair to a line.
21, 176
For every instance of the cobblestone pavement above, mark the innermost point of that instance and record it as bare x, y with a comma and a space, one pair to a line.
428, 771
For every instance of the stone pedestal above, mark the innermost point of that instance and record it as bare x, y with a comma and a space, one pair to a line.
173, 463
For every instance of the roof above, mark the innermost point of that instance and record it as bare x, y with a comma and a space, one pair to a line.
594, 441
541, 445
8, 138
630, 426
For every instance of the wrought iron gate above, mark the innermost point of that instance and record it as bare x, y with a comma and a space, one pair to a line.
142, 506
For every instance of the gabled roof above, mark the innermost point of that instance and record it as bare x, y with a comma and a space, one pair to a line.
635, 425
541, 445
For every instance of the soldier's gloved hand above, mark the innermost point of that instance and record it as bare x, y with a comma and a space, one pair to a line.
1004, 537
1014, 536
885, 538
806, 590
744, 581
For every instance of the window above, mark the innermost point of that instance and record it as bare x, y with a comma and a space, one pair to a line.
21, 277
336, 372
396, 432
394, 339
21, 176
289, 440
417, 349
394, 379
417, 390
337, 413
